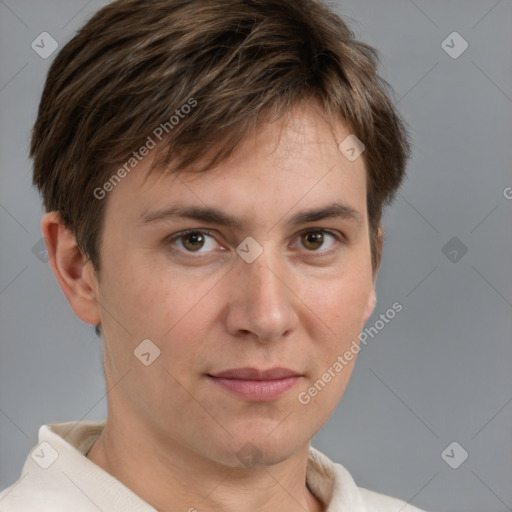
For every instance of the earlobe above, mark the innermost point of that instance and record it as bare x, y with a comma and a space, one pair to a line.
370, 306
71, 268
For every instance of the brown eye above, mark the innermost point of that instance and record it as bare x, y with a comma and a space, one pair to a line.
193, 241
313, 240
320, 241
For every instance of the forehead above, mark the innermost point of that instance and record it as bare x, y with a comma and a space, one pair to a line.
294, 160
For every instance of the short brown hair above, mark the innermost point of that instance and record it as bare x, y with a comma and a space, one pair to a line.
136, 61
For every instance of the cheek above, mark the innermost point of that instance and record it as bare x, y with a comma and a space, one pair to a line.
339, 303
176, 314
149, 300
336, 319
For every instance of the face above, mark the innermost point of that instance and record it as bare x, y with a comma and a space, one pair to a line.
231, 269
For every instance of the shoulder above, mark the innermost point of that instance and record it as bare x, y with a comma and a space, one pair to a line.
29, 493
334, 485
47, 490
376, 502
57, 477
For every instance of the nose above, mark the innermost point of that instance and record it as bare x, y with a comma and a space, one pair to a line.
261, 301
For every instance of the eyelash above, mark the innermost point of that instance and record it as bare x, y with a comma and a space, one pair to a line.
338, 236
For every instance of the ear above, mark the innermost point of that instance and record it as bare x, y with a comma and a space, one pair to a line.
370, 305
372, 297
379, 241
73, 271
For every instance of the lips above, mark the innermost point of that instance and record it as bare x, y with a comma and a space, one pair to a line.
254, 385
255, 374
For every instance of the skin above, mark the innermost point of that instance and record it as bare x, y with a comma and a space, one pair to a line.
172, 436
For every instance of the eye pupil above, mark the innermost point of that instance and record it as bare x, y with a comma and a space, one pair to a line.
193, 241
313, 240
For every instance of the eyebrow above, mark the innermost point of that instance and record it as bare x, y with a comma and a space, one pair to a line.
215, 216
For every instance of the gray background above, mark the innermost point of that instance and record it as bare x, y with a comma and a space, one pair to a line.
438, 372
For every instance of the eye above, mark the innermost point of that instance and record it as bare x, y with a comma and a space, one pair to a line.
201, 241
313, 240
194, 241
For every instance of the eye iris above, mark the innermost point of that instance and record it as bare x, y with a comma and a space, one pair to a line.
193, 241
313, 240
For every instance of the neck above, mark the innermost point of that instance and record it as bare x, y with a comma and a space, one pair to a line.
169, 476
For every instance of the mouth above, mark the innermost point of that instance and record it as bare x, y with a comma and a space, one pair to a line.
256, 385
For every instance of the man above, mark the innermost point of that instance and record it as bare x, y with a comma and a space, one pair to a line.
214, 175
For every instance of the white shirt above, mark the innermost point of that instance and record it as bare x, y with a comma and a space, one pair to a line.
58, 477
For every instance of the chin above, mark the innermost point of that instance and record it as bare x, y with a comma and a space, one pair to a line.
261, 449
